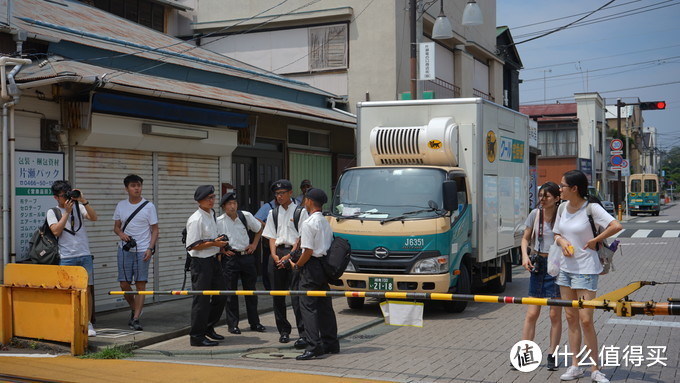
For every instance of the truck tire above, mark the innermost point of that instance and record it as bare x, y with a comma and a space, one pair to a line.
355, 303
463, 286
497, 285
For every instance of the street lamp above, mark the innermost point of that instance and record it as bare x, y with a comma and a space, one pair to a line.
472, 15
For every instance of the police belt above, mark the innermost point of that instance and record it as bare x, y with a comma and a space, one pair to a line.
284, 246
240, 252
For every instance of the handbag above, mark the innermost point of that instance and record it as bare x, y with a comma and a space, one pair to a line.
43, 248
554, 259
604, 251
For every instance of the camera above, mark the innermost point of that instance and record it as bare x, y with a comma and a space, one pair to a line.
535, 260
73, 194
224, 237
286, 264
130, 244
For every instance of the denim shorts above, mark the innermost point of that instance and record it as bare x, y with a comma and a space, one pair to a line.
542, 284
84, 261
132, 267
578, 281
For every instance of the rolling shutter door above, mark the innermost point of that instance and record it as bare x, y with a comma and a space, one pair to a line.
99, 174
316, 167
178, 176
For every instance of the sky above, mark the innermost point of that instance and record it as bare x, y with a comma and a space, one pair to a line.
628, 50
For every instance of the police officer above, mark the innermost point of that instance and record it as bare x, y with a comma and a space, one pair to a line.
321, 327
238, 261
283, 240
206, 270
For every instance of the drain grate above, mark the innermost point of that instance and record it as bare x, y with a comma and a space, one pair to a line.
271, 354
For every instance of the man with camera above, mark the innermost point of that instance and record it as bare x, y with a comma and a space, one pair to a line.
238, 260
282, 230
136, 224
204, 245
74, 246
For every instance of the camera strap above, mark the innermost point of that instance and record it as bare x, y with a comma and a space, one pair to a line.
134, 213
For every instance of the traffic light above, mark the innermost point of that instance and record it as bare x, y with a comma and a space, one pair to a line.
653, 105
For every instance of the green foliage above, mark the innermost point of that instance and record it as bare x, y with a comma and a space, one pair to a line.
115, 352
670, 162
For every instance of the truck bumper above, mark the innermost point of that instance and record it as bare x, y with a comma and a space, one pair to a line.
430, 283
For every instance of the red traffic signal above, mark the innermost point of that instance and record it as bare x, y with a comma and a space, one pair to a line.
653, 105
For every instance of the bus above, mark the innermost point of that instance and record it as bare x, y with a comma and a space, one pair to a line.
643, 194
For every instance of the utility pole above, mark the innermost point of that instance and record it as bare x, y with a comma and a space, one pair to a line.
412, 13
617, 195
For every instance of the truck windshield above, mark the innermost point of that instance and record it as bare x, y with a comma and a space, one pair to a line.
380, 193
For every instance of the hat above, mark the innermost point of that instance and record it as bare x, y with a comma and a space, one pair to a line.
317, 195
227, 197
203, 191
305, 183
282, 184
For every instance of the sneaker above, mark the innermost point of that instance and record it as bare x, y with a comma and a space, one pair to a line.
90, 330
132, 316
598, 377
134, 324
551, 365
572, 373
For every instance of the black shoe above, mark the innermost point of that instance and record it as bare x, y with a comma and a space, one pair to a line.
132, 317
201, 341
552, 363
134, 324
301, 344
308, 355
284, 338
210, 333
258, 327
335, 350
234, 330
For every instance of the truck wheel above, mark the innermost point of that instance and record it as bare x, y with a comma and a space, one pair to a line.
463, 286
355, 303
497, 285
656, 213
633, 214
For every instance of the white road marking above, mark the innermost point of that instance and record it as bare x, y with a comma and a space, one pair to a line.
643, 322
663, 221
671, 234
641, 221
641, 233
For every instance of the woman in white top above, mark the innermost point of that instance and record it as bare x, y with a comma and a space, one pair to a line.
537, 239
580, 265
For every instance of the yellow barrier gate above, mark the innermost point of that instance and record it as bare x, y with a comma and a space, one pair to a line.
45, 302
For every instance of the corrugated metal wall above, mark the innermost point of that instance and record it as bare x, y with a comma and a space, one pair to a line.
316, 167
169, 182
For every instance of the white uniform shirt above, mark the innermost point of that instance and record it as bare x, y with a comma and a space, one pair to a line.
576, 229
140, 226
201, 225
548, 235
285, 233
234, 229
316, 234
71, 246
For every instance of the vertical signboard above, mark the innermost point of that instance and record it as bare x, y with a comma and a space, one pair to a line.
34, 174
426, 61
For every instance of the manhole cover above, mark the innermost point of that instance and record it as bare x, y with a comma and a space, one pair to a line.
272, 355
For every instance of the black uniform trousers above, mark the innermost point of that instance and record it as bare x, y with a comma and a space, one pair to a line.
206, 274
321, 326
282, 279
235, 267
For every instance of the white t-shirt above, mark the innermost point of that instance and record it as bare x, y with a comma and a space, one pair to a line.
316, 234
140, 226
71, 246
201, 225
576, 229
285, 233
548, 235
234, 229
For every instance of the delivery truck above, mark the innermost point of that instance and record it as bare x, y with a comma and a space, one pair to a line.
438, 200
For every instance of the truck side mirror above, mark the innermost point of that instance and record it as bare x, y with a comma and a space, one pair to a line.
450, 195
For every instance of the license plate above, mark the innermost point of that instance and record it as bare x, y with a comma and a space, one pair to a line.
384, 284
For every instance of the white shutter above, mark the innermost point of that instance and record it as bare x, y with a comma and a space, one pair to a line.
99, 173
178, 176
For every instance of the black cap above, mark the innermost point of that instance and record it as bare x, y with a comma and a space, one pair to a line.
203, 191
317, 195
305, 183
227, 197
282, 184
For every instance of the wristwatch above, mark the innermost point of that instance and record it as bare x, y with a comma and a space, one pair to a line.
153, 250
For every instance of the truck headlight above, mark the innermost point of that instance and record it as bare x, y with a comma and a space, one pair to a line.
350, 267
435, 265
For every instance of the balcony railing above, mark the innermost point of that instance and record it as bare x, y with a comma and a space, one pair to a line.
479, 93
441, 88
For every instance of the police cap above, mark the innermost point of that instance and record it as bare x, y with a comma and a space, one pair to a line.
282, 184
227, 197
317, 195
203, 191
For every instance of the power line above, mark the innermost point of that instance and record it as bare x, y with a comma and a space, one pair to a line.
568, 17
605, 91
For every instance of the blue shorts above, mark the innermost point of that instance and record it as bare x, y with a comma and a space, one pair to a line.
84, 261
132, 267
578, 281
542, 284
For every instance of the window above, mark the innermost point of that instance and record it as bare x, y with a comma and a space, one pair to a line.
328, 47
557, 142
143, 12
308, 139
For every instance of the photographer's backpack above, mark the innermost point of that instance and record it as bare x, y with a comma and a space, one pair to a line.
43, 248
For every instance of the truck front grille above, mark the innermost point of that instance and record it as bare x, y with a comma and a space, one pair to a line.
397, 262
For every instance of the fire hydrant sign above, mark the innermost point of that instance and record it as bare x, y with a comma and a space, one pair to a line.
34, 174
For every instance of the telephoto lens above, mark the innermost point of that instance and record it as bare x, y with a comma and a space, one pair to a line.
73, 194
